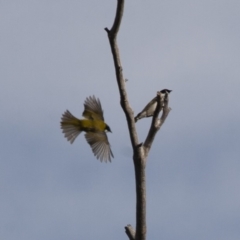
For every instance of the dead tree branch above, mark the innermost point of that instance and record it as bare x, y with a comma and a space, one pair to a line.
140, 151
112, 36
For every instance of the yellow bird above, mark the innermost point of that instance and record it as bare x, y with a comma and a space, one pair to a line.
93, 125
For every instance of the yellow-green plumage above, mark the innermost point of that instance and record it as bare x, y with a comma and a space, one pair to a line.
85, 125
93, 125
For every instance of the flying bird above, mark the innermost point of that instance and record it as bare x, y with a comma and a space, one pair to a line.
149, 109
93, 125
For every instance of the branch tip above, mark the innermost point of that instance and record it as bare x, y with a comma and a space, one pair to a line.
130, 232
107, 30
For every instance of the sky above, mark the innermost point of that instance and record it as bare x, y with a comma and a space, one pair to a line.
54, 54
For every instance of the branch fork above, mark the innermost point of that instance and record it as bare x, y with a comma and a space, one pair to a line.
140, 150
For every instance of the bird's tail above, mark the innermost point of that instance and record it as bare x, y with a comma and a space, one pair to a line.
71, 126
142, 114
137, 117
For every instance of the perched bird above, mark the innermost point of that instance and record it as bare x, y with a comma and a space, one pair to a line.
149, 110
93, 125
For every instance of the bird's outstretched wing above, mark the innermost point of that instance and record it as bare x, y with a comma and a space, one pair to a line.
93, 109
100, 145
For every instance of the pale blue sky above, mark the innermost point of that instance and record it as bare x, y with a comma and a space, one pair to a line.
54, 54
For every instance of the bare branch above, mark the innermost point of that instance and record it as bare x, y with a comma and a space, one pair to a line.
156, 122
140, 178
130, 232
140, 151
118, 18
112, 35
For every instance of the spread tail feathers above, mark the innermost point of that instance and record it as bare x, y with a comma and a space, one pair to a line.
71, 126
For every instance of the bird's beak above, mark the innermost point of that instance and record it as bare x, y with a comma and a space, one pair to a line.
108, 129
